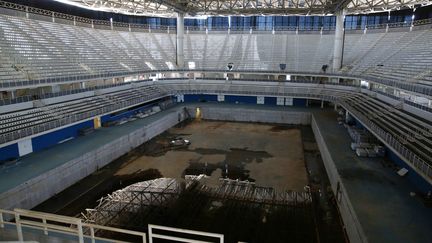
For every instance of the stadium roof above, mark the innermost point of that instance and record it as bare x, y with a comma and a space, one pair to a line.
168, 8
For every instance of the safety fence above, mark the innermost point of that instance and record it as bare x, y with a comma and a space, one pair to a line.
29, 225
60, 226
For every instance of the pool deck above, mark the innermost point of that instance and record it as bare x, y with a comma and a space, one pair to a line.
380, 198
37, 163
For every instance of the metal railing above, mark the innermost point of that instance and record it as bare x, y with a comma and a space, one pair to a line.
99, 87
28, 98
412, 158
413, 87
28, 131
63, 225
152, 235
409, 102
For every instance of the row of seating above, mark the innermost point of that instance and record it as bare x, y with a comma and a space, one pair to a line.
400, 56
35, 49
15, 121
413, 132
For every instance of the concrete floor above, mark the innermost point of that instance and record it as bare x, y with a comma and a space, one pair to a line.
35, 164
272, 156
381, 198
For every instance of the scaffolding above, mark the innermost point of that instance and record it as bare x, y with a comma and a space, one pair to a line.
132, 199
120, 207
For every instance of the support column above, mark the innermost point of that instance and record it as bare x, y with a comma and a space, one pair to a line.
339, 41
13, 94
180, 37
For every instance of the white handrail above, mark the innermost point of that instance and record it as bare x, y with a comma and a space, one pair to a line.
75, 228
152, 235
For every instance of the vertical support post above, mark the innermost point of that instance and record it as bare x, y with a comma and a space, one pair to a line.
150, 231
130, 30
180, 38
13, 94
80, 232
27, 12
322, 104
74, 20
1, 220
45, 227
53, 17
111, 24
339, 41
18, 227
92, 234
92, 24
335, 106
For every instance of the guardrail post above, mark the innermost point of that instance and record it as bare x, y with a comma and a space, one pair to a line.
80, 232
150, 234
18, 227
45, 227
92, 234
1, 220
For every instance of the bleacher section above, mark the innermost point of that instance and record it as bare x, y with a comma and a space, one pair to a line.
40, 51
262, 51
412, 132
28, 122
400, 56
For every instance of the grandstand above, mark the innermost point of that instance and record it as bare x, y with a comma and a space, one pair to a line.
65, 74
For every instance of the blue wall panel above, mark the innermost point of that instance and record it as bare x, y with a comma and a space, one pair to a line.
9, 152
241, 99
50, 139
299, 102
200, 98
417, 180
270, 100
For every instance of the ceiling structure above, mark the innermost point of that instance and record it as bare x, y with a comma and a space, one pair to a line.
168, 8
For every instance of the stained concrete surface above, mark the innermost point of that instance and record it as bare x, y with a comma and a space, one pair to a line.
381, 199
261, 153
